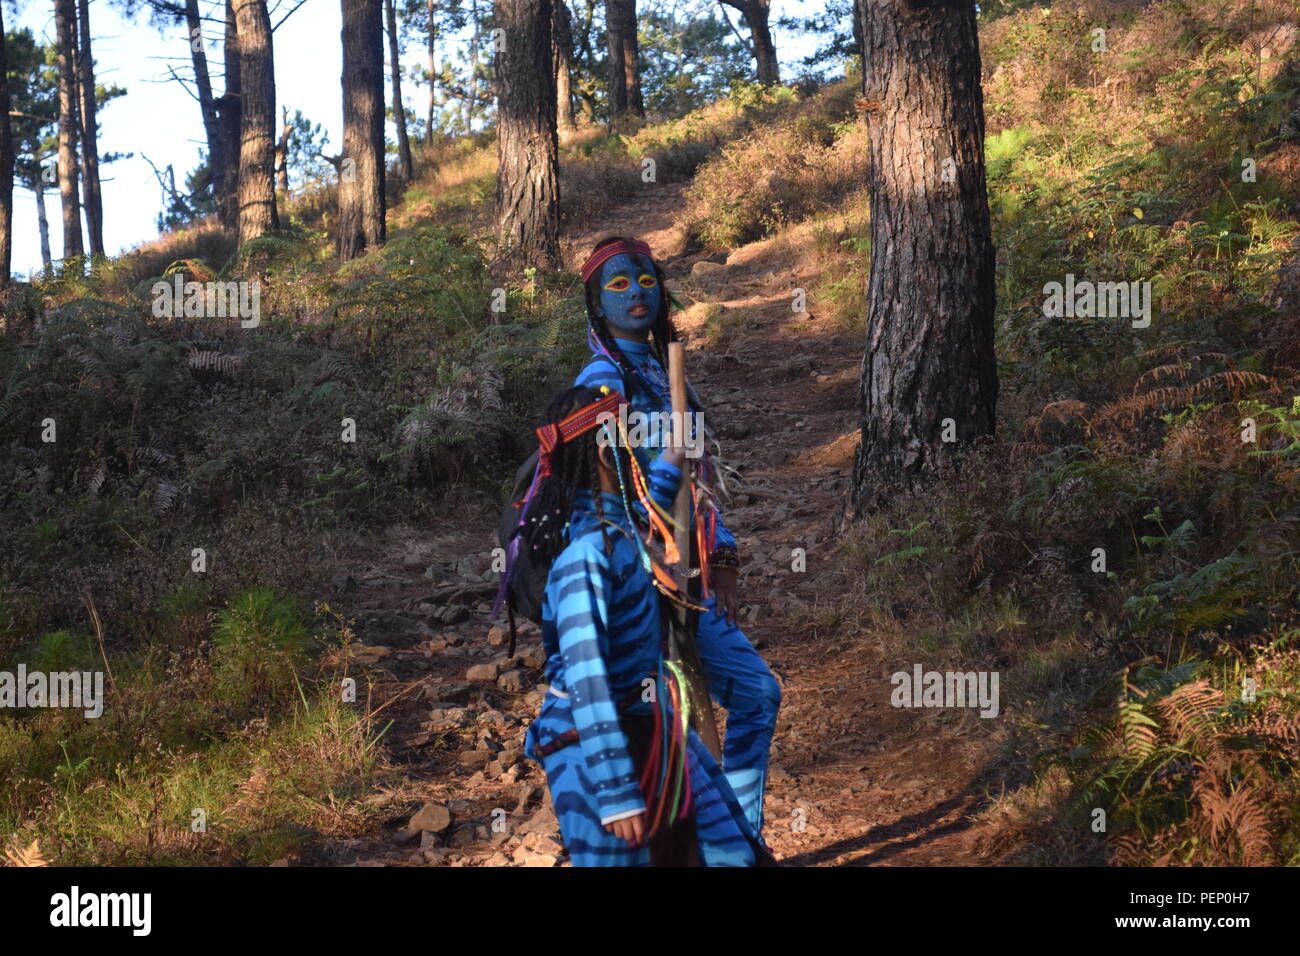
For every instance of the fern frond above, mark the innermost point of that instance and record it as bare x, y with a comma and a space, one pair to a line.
1235, 380
97, 479
194, 267
1138, 730
224, 363
490, 384
1190, 713
153, 455
1179, 369
28, 856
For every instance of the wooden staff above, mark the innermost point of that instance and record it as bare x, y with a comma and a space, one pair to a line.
682, 646
681, 408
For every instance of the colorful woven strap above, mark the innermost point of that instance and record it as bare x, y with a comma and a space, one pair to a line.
583, 420
605, 253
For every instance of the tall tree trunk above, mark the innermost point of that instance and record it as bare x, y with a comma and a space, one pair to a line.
42, 222
399, 111
257, 213
562, 36
6, 164
361, 188
433, 68
586, 86
528, 186
89, 132
928, 374
624, 72
859, 13
207, 105
473, 68
282, 153
757, 14
65, 26
228, 127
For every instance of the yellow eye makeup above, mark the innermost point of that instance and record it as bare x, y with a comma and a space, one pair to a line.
648, 281
618, 284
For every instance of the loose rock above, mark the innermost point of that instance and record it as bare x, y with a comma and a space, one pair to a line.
512, 682
482, 672
432, 817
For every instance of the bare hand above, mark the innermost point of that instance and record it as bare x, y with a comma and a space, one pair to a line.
631, 829
727, 593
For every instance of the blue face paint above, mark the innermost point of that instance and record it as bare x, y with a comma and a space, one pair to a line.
630, 295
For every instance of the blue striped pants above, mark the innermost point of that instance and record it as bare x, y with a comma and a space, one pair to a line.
720, 824
743, 684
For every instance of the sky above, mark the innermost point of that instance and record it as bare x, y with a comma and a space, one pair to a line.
158, 118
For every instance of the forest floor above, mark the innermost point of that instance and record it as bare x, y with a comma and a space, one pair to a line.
853, 780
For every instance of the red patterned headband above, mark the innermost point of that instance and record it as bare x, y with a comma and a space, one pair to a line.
583, 420
605, 253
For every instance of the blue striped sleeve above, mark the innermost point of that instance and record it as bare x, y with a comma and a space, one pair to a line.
580, 587
663, 480
724, 538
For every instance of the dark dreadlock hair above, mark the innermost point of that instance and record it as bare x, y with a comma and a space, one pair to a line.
575, 467
662, 331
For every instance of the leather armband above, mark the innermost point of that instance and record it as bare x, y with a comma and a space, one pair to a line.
725, 557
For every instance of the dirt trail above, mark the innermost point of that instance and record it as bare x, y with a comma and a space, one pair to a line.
854, 781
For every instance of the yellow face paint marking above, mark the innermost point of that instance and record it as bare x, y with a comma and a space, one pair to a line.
623, 283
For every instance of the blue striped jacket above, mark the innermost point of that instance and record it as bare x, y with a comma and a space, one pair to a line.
601, 371
600, 630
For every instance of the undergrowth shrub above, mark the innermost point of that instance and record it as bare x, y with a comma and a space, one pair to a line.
260, 642
802, 162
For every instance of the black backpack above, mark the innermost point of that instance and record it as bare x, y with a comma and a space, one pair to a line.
527, 585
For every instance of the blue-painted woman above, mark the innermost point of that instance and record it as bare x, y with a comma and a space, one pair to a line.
629, 331
630, 780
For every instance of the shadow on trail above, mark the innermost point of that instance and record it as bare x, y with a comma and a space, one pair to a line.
929, 822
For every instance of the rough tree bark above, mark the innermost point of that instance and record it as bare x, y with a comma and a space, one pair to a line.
472, 103
89, 132
583, 84
407, 164
361, 185
757, 14
6, 164
65, 28
282, 153
433, 68
624, 72
229, 124
528, 187
257, 213
562, 37
929, 351
858, 14
207, 104
42, 222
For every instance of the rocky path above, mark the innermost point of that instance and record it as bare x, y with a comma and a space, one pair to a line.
853, 781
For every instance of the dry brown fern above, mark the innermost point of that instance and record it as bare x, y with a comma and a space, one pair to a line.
1237, 381
214, 361
29, 856
1179, 369
1184, 388
1235, 808
195, 267
1062, 412
1190, 713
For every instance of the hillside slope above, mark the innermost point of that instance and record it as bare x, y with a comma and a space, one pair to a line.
1123, 555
